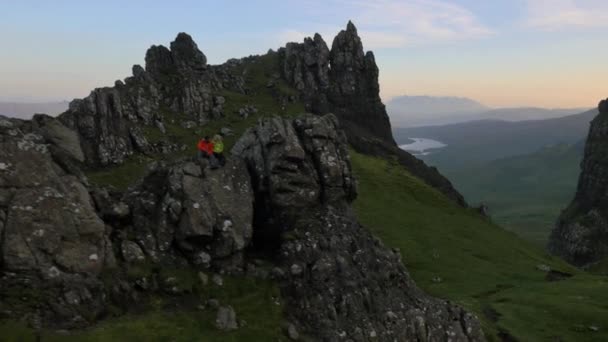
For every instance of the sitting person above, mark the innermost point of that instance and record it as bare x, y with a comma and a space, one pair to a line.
205, 148
218, 149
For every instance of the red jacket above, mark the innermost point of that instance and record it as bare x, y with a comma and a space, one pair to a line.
205, 146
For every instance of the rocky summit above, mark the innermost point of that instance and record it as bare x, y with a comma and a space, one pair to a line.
344, 81
110, 120
581, 233
74, 251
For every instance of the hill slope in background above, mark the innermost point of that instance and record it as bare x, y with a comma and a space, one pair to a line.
454, 253
416, 111
407, 111
525, 172
477, 142
24, 110
524, 193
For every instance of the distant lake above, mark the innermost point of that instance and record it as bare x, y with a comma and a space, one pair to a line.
422, 146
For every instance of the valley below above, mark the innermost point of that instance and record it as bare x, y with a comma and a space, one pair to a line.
524, 172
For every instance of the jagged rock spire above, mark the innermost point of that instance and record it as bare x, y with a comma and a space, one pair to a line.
344, 81
351, 27
186, 53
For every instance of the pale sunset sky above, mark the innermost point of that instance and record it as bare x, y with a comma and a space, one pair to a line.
503, 53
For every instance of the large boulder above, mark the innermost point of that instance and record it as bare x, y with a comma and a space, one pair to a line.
295, 164
185, 214
53, 243
339, 282
581, 233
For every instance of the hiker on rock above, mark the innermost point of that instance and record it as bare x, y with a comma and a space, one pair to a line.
205, 148
218, 149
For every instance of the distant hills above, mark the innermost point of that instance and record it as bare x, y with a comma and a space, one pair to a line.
414, 111
524, 193
524, 171
407, 111
23, 110
485, 140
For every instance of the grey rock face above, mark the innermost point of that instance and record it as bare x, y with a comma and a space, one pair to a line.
52, 237
581, 233
186, 54
343, 81
306, 67
104, 125
298, 163
339, 282
205, 214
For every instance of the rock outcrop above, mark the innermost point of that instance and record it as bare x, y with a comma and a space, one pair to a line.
184, 214
175, 82
339, 281
581, 233
53, 245
344, 81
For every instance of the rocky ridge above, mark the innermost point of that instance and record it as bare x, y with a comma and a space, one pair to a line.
344, 81
177, 83
581, 233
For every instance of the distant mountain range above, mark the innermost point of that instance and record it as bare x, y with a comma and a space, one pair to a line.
23, 110
413, 111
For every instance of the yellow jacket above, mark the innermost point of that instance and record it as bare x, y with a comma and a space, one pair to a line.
218, 146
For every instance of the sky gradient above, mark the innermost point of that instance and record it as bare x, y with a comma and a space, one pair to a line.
503, 53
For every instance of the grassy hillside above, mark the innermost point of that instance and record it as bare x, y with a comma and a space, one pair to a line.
525, 193
455, 254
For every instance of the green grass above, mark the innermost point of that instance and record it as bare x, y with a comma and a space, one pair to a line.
122, 176
482, 266
526, 193
254, 301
